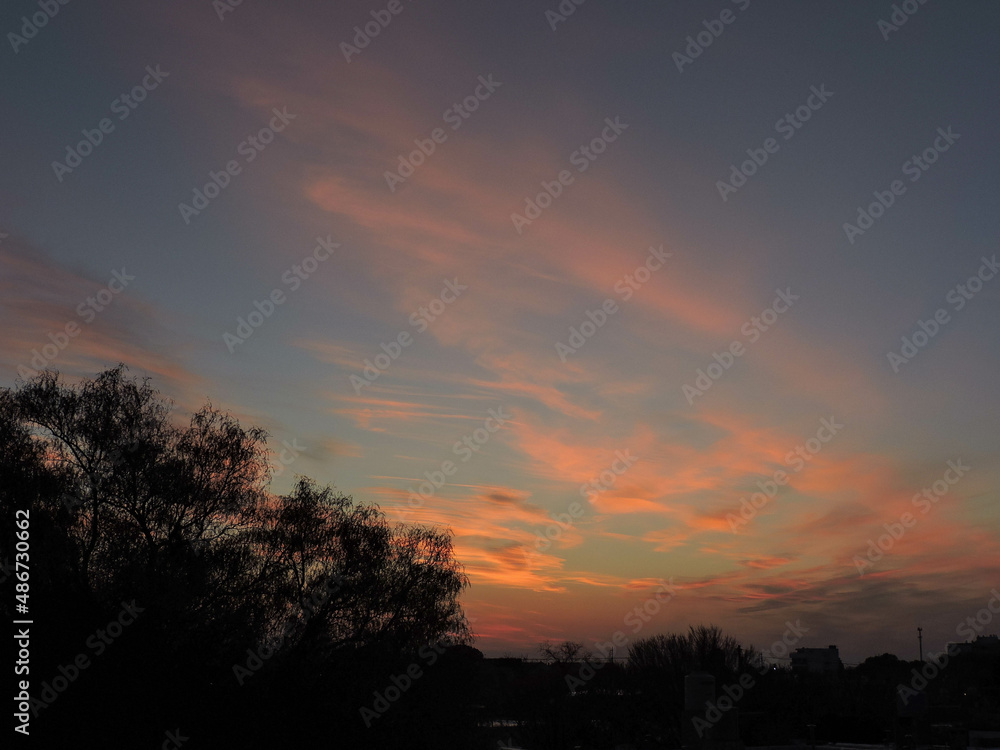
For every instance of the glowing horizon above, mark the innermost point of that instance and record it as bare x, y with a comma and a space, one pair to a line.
499, 272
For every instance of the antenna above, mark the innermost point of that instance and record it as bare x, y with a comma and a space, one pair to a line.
920, 638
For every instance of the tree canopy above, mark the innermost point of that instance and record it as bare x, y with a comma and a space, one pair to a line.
127, 503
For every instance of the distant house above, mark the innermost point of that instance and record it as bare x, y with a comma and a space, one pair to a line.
984, 644
817, 660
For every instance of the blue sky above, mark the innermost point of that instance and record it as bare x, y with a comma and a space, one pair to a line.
494, 346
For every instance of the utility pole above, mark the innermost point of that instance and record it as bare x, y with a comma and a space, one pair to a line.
920, 638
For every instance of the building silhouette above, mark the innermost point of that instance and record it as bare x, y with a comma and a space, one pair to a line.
817, 660
983, 645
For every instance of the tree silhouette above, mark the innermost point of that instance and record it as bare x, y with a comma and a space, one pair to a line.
702, 648
565, 652
397, 588
658, 664
127, 504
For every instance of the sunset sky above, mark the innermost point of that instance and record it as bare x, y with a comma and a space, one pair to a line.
451, 260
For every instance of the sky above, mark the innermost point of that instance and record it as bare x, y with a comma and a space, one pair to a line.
673, 313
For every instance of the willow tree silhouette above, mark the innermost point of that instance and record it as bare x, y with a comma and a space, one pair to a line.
253, 616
